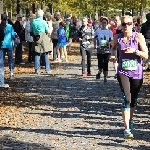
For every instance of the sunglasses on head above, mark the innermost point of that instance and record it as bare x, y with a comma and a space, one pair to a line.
128, 23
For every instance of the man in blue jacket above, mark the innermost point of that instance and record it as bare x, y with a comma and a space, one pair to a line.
6, 46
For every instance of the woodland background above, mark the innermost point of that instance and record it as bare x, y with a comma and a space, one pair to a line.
83, 7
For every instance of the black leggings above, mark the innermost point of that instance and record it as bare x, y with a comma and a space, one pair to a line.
103, 60
130, 89
31, 52
85, 52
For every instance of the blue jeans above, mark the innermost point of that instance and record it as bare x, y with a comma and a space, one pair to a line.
42, 60
1, 67
37, 61
10, 58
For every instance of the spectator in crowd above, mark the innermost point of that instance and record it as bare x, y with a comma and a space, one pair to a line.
50, 27
10, 22
54, 36
68, 34
49, 22
29, 39
90, 23
61, 41
95, 24
86, 34
143, 18
57, 15
39, 27
19, 29
6, 46
138, 25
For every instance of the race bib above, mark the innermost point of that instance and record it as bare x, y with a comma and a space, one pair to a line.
103, 43
128, 64
103, 47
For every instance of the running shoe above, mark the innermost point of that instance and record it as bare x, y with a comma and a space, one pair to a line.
48, 72
131, 126
84, 74
98, 75
59, 60
115, 77
4, 86
105, 81
62, 56
37, 72
88, 74
128, 134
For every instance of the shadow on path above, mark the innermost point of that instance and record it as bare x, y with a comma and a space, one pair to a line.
9, 143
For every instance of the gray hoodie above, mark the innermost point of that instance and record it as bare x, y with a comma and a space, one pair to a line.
55, 26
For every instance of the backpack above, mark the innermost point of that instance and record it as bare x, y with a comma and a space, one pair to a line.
72, 30
2, 34
67, 31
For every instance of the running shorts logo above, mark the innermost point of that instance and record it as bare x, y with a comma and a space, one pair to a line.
128, 64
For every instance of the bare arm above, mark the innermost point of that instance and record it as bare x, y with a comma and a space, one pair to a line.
114, 47
95, 39
144, 50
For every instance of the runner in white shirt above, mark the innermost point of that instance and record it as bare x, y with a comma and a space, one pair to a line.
103, 37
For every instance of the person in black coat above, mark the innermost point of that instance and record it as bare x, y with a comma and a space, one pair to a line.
10, 22
19, 29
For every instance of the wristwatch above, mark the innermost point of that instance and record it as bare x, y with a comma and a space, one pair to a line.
136, 51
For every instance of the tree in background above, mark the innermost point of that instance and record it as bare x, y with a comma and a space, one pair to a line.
82, 7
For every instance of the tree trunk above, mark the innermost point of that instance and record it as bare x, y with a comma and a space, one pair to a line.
123, 11
132, 11
100, 12
90, 16
141, 10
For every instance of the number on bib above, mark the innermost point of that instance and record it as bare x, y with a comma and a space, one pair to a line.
129, 64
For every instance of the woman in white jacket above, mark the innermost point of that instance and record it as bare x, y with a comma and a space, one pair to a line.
49, 22
29, 39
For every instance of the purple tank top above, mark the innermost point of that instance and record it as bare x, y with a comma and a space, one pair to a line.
137, 72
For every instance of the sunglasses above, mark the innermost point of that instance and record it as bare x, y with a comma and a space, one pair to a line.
128, 23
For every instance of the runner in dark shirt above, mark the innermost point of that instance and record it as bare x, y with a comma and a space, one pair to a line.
116, 29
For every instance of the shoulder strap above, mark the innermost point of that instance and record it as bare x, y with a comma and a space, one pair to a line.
134, 34
119, 36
